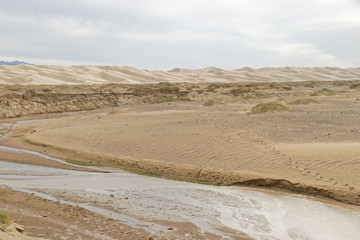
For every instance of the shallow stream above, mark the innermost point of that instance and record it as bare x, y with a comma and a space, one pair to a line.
141, 201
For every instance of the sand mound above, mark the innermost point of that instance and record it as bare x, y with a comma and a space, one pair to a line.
39, 74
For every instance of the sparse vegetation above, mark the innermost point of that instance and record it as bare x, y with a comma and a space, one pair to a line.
62, 87
209, 103
324, 92
15, 87
256, 96
355, 86
339, 83
303, 101
248, 97
170, 99
4, 219
80, 163
239, 90
269, 107
309, 84
214, 86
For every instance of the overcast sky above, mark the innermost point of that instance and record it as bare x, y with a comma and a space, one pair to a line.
164, 34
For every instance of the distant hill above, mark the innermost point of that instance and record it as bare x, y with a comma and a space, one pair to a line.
13, 63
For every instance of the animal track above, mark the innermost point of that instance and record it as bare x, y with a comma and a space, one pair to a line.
305, 171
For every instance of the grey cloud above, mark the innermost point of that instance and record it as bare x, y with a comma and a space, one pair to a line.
192, 34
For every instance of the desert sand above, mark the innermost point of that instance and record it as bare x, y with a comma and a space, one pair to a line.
206, 126
39, 74
310, 148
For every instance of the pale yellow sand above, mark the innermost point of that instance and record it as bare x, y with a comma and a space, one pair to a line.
38, 74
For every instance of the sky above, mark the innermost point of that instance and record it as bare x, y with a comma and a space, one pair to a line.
165, 34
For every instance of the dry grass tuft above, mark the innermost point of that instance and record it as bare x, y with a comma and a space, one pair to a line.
256, 96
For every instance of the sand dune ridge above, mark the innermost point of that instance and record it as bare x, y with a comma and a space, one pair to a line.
41, 74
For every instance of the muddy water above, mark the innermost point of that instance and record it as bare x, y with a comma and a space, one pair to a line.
141, 200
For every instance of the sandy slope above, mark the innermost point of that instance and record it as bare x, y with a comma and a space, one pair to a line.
39, 74
315, 145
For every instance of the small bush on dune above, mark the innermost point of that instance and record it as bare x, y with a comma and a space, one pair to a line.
324, 92
209, 103
256, 96
269, 107
170, 99
303, 101
4, 219
248, 97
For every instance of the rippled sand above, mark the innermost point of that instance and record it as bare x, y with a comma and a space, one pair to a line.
38, 74
312, 149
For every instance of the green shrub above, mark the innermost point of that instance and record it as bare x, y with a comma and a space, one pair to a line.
4, 219
269, 107
209, 103
81, 163
170, 99
324, 92
303, 101
248, 97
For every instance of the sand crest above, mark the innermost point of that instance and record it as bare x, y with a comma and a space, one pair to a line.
39, 74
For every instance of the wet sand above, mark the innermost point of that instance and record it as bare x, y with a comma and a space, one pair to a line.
53, 220
183, 210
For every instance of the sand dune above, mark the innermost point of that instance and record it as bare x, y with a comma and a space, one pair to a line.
40, 74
